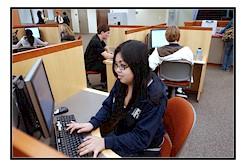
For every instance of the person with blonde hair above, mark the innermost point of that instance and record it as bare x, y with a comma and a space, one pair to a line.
171, 52
67, 33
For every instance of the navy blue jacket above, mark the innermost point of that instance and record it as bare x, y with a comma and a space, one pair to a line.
142, 129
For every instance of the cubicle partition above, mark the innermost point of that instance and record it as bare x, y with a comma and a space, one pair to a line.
117, 34
137, 34
49, 32
64, 64
193, 37
216, 52
121, 33
220, 23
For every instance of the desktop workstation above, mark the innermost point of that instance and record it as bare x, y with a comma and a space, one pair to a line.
216, 51
48, 32
65, 70
193, 37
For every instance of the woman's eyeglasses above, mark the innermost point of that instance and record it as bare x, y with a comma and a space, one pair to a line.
120, 66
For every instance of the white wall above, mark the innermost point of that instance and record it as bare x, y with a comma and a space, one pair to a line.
150, 16
75, 20
184, 15
131, 17
92, 20
25, 16
83, 20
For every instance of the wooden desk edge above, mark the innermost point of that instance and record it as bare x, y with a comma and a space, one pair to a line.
27, 146
108, 61
107, 152
96, 91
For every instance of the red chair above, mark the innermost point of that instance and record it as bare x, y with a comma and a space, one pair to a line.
178, 121
90, 84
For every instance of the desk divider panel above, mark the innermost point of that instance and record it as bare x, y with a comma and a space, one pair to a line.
117, 35
49, 32
220, 23
64, 65
196, 38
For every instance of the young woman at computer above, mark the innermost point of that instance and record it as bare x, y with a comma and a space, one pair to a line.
130, 119
29, 41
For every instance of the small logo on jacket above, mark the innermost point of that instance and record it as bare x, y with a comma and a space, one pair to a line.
136, 113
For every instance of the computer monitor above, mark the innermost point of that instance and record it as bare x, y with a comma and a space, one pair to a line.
35, 32
158, 38
41, 97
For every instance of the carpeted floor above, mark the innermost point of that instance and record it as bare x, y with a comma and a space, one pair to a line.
213, 133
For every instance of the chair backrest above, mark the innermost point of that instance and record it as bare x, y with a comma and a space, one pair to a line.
166, 146
178, 122
179, 70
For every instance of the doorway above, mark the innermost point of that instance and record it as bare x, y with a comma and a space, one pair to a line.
102, 16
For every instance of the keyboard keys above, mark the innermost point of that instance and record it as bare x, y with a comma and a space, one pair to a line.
67, 143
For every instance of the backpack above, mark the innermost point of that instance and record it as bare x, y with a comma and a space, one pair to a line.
228, 35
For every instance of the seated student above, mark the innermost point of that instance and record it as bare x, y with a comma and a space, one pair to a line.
67, 33
97, 51
29, 41
173, 51
130, 118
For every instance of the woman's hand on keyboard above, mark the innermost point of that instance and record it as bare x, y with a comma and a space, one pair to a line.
80, 127
91, 144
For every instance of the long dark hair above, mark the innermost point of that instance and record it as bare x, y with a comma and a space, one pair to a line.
29, 36
135, 54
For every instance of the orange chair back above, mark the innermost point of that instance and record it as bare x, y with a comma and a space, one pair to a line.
178, 121
166, 146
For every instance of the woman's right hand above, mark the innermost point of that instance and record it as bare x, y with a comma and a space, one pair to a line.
80, 127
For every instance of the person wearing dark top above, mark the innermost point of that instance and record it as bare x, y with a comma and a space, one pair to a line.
66, 19
130, 118
40, 19
97, 51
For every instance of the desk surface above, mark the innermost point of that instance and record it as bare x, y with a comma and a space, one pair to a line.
202, 61
84, 105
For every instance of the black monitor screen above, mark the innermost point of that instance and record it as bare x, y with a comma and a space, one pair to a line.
35, 32
41, 96
158, 38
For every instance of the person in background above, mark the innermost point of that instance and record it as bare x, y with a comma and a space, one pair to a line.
29, 41
66, 19
58, 18
67, 33
173, 51
228, 37
40, 19
130, 118
97, 51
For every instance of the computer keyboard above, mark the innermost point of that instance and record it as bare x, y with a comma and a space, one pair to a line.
67, 143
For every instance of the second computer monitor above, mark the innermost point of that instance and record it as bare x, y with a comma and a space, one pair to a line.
158, 38
41, 96
35, 32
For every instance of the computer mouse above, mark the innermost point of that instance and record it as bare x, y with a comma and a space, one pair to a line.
61, 110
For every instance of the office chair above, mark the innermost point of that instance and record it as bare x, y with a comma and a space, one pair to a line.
176, 74
95, 86
178, 121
